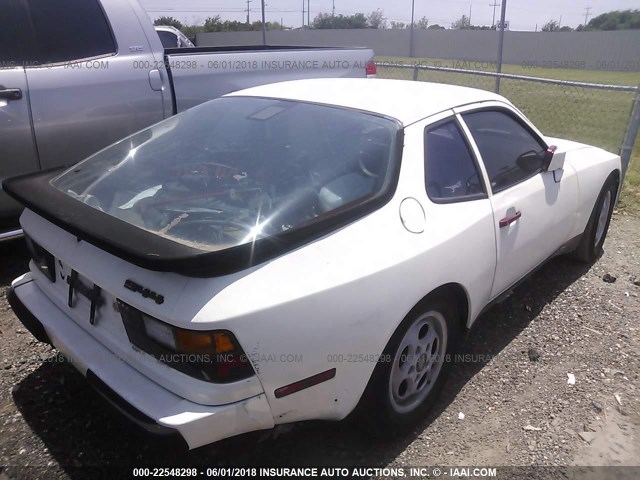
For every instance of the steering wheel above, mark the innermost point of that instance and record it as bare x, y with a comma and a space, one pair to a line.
364, 169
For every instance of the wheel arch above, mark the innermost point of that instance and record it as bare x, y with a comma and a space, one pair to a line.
615, 174
452, 291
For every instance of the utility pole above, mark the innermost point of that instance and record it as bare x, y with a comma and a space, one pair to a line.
248, 10
503, 14
470, 5
333, 9
494, 5
303, 14
413, 10
264, 27
586, 15
309, 13
560, 22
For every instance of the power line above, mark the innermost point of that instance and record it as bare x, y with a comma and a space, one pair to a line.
586, 15
494, 5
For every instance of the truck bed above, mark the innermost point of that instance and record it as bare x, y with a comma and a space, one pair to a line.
202, 73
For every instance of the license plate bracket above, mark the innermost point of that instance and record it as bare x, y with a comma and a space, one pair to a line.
93, 294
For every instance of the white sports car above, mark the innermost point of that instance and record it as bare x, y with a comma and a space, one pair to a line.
291, 251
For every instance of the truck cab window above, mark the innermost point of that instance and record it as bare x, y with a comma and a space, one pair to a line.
16, 47
68, 30
169, 40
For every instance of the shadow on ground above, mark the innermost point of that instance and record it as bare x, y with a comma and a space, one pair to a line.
79, 429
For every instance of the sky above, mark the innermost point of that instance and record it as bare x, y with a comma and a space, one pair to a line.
521, 14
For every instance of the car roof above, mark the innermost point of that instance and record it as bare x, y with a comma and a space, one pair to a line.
404, 100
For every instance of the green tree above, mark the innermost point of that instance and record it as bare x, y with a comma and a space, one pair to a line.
328, 21
191, 31
170, 21
551, 26
435, 26
212, 24
398, 25
422, 24
376, 19
616, 20
463, 23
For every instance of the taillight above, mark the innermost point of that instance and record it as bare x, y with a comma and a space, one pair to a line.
371, 69
45, 262
214, 356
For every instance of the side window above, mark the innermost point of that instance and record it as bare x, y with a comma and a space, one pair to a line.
16, 47
67, 30
509, 150
451, 174
168, 39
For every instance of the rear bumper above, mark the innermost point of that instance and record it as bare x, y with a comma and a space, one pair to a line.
133, 394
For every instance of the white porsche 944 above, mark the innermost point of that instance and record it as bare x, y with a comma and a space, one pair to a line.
292, 251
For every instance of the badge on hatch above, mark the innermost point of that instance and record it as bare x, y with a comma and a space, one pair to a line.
145, 292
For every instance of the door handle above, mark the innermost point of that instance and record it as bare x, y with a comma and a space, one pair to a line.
10, 93
506, 221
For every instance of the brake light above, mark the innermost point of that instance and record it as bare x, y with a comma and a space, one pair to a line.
371, 69
42, 259
214, 356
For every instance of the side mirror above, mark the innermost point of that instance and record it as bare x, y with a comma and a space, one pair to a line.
548, 157
552, 160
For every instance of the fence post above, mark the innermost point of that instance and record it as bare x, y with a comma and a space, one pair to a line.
415, 73
503, 13
631, 133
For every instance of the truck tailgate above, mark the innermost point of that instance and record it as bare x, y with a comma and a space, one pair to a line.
198, 76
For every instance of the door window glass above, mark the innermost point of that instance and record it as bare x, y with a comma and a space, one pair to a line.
509, 150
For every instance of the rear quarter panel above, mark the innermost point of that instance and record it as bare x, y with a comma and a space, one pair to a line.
336, 302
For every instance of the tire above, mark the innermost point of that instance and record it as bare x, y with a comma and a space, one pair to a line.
590, 246
407, 380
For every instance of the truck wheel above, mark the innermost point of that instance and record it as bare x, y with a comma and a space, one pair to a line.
413, 367
590, 246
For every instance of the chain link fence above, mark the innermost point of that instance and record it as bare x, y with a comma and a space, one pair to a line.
603, 115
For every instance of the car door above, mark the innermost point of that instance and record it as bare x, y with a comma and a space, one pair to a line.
533, 212
17, 148
459, 232
89, 90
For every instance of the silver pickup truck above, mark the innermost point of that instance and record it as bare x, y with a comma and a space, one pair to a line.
77, 75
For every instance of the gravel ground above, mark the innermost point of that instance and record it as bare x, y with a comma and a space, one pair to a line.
508, 401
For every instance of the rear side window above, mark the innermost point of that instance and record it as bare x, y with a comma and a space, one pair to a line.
67, 30
510, 152
16, 48
451, 174
168, 39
